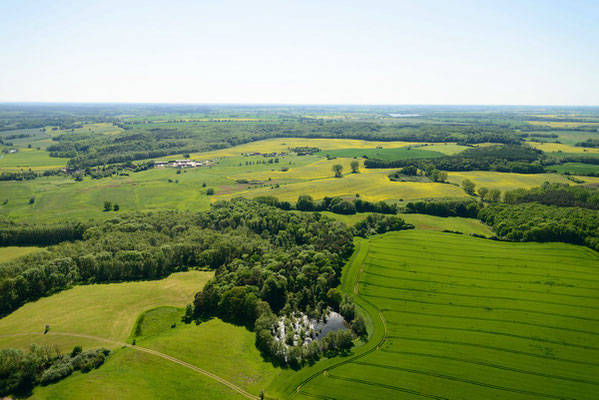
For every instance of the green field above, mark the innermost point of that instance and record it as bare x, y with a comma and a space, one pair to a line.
131, 375
574, 168
25, 159
151, 190
108, 311
59, 198
565, 136
504, 180
425, 222
468, 318
401, 153
12, 252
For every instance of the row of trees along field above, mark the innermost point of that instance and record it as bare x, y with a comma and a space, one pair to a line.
21, 370
336, 205
500, 158
551, 212
144, 141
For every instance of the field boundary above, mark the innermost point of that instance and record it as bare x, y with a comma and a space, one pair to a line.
379, 336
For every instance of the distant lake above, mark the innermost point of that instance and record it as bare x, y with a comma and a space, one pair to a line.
404, 115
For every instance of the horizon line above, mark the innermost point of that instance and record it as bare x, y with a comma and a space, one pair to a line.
35, 102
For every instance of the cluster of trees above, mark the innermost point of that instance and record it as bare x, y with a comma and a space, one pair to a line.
539, 135
501, 158
412, 173
21, 371
341, 206
287, 263
13, 234
446, 208
375, 224
27, 175
543, 223
304, 150
588, 143
556, 194
336, 205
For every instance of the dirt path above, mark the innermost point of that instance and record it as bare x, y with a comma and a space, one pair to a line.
149, 351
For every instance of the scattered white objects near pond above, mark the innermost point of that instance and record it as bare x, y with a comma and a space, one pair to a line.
305, 330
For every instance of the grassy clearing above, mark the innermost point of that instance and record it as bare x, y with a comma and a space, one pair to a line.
401, 153
563, 148
239, 361
505, 181
564, 124
471, 318
371, 184
132, 375
574, 168
567, 137
12, 252
37, 160
145, 191
458, 224
108, 311
283, 145
425, 222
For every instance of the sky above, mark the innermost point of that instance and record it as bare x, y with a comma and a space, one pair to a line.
301, 52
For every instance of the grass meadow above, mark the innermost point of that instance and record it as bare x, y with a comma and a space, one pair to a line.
574, 168
133, 375
470, 318
563, 148
505, 180
12, 252
108, 310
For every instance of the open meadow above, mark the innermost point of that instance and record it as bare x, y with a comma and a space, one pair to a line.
471, 318
12, 252
506, 180
107, 311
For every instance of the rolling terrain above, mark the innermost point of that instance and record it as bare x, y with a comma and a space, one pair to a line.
471, 318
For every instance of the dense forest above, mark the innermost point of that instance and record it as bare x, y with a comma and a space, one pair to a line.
556, 194
543, 223
150, 246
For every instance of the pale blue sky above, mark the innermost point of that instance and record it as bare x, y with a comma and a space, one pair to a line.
341, 52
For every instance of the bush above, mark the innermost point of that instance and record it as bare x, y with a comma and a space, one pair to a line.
376, 224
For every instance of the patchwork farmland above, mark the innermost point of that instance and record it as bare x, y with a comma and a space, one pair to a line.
472, 318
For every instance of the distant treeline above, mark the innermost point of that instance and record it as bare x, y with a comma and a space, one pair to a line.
28, 175
543, 223
556, 194
446, 208
336, 205
12, 234
143, 141
588, 143
500, 158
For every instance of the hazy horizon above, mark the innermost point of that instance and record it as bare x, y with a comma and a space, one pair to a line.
520, 53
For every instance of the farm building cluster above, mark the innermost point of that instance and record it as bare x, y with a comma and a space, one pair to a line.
274, 154
183, 163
